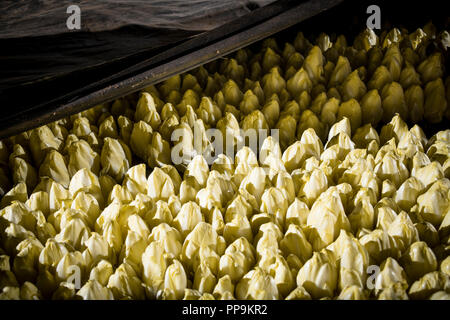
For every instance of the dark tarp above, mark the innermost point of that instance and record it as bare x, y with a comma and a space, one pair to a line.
36, 31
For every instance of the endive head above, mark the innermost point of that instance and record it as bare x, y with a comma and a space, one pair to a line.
318, 276
391, 273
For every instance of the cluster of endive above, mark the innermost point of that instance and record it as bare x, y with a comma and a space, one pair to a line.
94, 207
